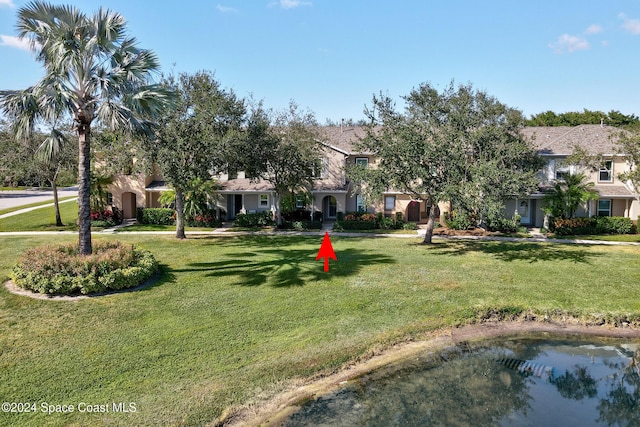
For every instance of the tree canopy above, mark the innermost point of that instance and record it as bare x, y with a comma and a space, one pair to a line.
282, 148
585, 117
459, 145
196, 138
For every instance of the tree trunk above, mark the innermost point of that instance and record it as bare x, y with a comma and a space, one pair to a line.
56, 204
430, 223
179, 215
84, 189
276, 201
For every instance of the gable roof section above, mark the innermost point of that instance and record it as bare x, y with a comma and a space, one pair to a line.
342, 138
561, 140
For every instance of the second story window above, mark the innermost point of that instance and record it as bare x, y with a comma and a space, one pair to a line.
606, 172
562, 171
322, 169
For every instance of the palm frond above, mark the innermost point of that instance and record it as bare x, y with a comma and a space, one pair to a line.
52, 145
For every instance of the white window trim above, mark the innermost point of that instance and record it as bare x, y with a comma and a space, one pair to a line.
598, 210
609, 171
299, 201
266, 202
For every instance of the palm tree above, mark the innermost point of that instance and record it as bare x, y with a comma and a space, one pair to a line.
49, 152
93, 71
564, 199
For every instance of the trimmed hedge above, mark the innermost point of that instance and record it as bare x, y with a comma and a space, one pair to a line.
260, 219
62, 270
593, 225
301, 225
368, 221
158, 216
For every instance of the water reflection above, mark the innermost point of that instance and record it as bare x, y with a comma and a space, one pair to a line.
508, 382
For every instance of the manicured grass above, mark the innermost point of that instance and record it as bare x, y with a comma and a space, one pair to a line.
237, 319
33, 205
606, 237
43, 219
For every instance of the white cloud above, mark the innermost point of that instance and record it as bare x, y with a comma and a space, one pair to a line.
290, 4
568, 43
631, 25
224, 9
8, 3
16, 42
594, 29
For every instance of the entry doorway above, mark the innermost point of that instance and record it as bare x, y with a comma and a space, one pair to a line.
330, 207
413, 211
128, 205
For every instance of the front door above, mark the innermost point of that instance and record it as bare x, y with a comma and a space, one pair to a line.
413, 211
524, 210
330, 207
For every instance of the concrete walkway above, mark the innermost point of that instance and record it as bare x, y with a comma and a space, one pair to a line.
13, 199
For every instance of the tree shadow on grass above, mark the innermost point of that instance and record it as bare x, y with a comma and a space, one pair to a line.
518, 251
275, 263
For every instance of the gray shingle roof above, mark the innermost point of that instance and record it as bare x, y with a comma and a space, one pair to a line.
561, 140
549, 140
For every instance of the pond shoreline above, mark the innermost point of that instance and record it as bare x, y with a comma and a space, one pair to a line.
276, 410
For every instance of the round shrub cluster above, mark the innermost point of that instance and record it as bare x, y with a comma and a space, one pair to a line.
62, 270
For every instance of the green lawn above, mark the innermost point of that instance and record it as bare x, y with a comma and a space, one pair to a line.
43, 219
32, 205
237, 319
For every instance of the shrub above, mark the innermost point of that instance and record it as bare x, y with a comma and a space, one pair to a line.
62, 270
614, 225
409, 226
504, 225
301, 225
457, 220
260, 219
159, 216
593, 225
297, 215
207, 219
106, 218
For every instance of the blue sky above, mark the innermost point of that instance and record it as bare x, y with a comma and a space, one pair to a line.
331, 56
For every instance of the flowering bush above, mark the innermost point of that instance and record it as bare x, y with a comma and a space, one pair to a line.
62, 270
106, 218
207, 219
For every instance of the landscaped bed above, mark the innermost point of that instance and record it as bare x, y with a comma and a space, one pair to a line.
236, 320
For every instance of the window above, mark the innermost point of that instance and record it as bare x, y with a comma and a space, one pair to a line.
109, 198
362, 161
323, 171
606, 172
389, 203
359, 203
264, 200
604, 207
299, 201
562, 171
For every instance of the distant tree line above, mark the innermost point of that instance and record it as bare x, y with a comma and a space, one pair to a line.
586, 117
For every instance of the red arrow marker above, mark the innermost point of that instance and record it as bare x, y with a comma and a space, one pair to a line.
326, 251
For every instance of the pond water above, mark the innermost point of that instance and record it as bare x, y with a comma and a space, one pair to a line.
507, 382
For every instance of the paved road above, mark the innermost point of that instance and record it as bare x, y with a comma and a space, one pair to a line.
10, 199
